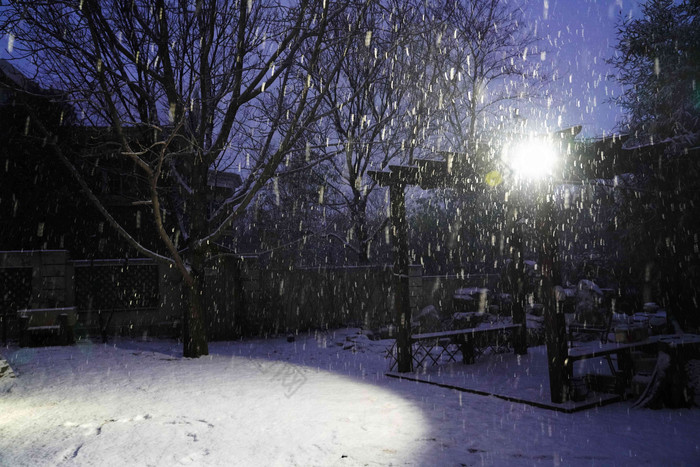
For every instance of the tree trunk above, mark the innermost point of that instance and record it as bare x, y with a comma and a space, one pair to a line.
362, 240
239, 300
359, 220
193, 331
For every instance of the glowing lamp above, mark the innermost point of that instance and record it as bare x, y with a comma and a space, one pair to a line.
531, 159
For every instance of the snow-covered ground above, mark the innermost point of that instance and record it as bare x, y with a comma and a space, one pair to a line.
322, 400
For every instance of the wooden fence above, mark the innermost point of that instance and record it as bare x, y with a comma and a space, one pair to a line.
139, 297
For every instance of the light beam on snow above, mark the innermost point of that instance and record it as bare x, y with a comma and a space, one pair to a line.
135, 404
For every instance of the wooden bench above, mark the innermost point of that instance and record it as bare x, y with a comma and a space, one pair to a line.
470, 342
47, 321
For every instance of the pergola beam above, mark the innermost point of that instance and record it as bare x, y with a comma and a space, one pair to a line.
598, 159
427, 174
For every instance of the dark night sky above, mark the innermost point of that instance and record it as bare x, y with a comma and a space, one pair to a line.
580, 35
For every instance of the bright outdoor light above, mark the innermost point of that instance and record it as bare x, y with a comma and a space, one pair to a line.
531, 159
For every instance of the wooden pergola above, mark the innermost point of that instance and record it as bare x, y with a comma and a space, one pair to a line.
599, 159
426, 174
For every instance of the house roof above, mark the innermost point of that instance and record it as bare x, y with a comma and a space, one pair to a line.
221, 179
16, 78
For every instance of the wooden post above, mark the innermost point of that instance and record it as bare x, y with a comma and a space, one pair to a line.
554, 322
517, 280
23, 333
415, 285
399, 247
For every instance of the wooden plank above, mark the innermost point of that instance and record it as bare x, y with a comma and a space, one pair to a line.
382, 178
402, 301
43, 328
13, 259
569, 133
595, 400
460, 332
406, 174
415, 175
59, 310
430, 166
582, 353
53, 270
599, 159
433, 174
48, 316
54, 257
426, 174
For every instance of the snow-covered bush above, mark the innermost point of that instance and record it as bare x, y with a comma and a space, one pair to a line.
588, 304
427, 320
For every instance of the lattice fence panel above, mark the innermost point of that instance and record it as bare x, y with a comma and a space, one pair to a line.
15, 293
15, 286
116, 287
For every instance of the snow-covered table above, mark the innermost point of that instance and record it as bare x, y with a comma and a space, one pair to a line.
598, 349
467, 298
470, 342
624, 370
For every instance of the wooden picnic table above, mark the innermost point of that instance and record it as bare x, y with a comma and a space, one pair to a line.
469, 341
623, 352
600, 349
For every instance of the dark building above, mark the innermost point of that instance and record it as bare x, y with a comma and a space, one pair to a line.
42, 205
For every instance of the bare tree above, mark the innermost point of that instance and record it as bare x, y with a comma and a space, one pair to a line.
376, 110
202, 78
493, 64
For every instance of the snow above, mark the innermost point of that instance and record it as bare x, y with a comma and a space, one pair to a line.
466, 293
511, 377
458, 332
321, 400
585, 285
579, 36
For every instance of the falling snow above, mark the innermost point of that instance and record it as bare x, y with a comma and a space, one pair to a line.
268, 233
